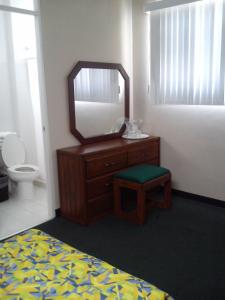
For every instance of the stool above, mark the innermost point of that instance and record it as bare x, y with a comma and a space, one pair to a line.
141, 178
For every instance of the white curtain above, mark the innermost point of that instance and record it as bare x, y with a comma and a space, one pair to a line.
97, 85
19, 84
187, 56
8, 120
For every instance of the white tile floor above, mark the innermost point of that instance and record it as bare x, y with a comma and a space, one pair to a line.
17, 214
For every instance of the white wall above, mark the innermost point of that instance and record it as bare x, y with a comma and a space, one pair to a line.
6, 106
89, 30
193, 143
7, 122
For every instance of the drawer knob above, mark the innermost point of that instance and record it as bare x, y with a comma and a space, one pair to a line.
107, 164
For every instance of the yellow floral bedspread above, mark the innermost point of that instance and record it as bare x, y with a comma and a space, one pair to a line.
34, 265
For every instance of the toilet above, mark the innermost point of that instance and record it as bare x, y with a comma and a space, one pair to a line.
12, 160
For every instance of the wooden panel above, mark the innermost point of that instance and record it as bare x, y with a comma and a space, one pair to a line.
113, 145
143, 154
99, 186
100, 206
71, 188
106, 164
153, 162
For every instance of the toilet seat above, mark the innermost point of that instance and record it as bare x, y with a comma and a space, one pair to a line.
13, 151
12, 156
24, 168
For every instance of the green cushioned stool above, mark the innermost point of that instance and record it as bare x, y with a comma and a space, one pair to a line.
141, 178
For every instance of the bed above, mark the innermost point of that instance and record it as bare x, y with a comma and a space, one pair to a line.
34, 265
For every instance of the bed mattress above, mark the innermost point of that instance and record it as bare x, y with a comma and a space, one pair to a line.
34, 265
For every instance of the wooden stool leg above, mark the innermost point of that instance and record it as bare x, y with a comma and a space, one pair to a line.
167, 195
117, 199
141, 206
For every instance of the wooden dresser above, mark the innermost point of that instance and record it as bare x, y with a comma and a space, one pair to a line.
86, 174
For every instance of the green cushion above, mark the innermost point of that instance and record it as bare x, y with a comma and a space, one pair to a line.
142, 173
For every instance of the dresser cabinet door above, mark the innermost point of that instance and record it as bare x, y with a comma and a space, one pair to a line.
100, 206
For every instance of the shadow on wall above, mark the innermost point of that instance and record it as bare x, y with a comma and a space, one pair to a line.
191, 146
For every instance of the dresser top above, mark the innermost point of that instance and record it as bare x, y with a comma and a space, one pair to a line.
103, 146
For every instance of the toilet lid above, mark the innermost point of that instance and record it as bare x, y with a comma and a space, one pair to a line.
13, 151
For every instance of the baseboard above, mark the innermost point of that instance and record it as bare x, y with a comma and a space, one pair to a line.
208, 200
57, 212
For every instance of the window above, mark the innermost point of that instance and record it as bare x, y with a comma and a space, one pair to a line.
20, 4
99, 85
187, 57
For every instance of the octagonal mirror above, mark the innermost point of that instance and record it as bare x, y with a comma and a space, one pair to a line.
98, 101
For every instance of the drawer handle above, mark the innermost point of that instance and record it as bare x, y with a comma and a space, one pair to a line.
107, 164
110, 164
108, 184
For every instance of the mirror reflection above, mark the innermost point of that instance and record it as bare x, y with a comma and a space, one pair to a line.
99, 99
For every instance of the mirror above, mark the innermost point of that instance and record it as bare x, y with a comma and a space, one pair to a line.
98, 101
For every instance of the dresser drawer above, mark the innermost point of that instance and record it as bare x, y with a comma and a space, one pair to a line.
105, 164
100, 205
143, 154
99, 186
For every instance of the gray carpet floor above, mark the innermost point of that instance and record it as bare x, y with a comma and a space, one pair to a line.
181, 250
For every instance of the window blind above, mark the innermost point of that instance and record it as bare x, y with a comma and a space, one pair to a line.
188, 54
160, 4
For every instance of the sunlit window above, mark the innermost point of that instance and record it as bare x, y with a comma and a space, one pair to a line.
187, 54
99, 85
23, 4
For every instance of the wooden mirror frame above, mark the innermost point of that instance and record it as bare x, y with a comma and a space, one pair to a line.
95, 65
